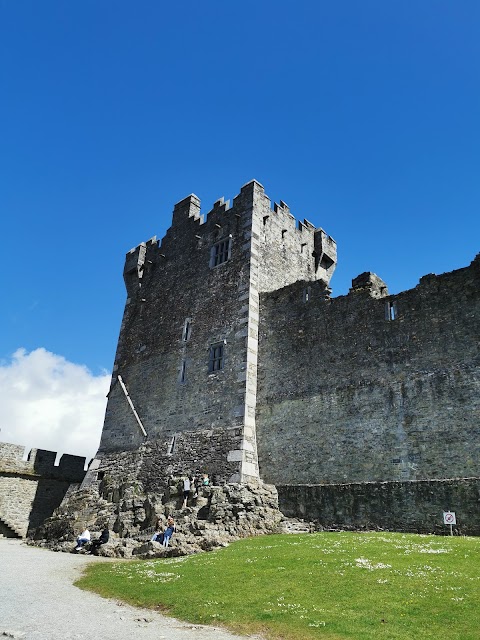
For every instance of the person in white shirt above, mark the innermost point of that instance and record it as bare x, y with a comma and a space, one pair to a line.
186, 491
82, 539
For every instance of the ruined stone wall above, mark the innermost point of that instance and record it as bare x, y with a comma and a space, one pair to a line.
31, 489
364, 388
413, 506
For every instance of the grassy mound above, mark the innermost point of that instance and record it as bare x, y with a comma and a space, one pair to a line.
324, 585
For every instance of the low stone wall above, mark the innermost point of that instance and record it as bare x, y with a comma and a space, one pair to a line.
31, 489
25, 502
410, 506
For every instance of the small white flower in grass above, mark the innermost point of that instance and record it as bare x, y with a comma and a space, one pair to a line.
364, 563
176, 560
317, 624
166, 577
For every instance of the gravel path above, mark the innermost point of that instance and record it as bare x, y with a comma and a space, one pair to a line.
39, 602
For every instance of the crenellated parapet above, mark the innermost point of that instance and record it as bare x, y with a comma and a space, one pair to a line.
136, 262
304, 251
189, 207
40, 463
32, 488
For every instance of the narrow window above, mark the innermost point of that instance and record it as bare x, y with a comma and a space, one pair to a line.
220, 252
171, 446
307, 293
216, 358
183, 371
187, 330
284, 231
302, 246
391, 311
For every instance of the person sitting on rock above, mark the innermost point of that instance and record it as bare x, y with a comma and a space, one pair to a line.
102, 539
83, 539
157, 537
169, 531
163, 537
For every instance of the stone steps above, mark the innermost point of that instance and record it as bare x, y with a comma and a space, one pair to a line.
8, 530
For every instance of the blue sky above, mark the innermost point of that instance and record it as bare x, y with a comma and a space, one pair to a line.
362, 116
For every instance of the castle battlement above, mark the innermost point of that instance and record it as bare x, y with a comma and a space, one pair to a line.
40, 462
306, 251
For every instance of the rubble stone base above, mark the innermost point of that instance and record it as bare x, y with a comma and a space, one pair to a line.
216, 517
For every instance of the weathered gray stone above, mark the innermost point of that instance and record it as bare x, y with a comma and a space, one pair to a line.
308, 389
31, 489
214, 521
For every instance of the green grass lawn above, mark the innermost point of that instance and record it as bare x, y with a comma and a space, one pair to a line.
323, 585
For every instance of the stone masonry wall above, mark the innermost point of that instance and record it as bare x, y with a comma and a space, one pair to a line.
179, 304
30, 490
361, 388
196, 453
414, 506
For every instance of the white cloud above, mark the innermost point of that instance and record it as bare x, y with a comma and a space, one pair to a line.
50, 403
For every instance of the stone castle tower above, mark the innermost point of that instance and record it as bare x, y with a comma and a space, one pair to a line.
185, 372
234, 360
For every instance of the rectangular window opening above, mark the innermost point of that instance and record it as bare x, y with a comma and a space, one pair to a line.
216, 358
183, 371
220, 252
307, 294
